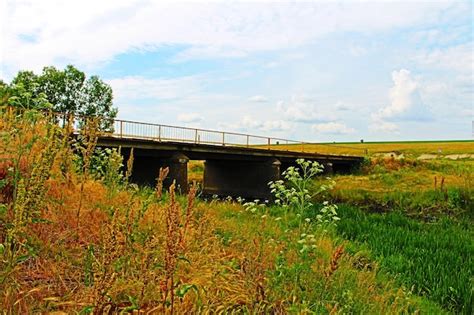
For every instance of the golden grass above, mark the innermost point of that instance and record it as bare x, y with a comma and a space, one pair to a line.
411, 149
228, 255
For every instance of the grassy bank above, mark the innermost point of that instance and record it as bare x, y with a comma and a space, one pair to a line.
415, 219
436, 259
423, 189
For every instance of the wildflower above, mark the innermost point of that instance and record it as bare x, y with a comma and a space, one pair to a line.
303, 249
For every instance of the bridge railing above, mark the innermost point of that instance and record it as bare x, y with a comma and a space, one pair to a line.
120, 128
160, 132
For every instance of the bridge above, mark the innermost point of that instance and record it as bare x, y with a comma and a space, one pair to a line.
235, 164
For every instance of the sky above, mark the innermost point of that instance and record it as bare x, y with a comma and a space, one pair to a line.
315, 71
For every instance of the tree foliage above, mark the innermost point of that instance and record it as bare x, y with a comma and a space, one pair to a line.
66, 91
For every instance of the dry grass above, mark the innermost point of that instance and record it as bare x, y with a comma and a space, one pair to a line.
410, 149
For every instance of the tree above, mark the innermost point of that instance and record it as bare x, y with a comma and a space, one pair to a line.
23, 92
66, 91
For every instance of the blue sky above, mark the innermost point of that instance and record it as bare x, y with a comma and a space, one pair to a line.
315, 71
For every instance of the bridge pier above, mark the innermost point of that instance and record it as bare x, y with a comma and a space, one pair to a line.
178, 172
146, 169
240, 178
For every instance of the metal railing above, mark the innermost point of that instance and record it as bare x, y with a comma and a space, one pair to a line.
159, 132
127, 129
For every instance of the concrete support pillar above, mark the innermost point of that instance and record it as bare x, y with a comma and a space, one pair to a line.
247, 179
178, 166
146, 170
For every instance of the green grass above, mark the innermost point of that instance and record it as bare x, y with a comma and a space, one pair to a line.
437, 259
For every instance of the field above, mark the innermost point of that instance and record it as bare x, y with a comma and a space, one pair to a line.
76, 236
415, 149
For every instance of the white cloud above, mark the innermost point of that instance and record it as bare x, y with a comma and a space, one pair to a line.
358, 50
302, 110
333, 128
379, 125
406, 103
137, 87
275, 125
467, 112
341, 106
190, 118
405, 100
88, 32
455, 58
258, 99
249, 124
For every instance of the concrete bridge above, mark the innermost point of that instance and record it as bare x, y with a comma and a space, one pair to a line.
235, 164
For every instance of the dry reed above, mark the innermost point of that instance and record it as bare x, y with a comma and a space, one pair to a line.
163, 173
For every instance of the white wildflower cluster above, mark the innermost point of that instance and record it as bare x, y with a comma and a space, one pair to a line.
255, 206
293, 193
328, 214
307, 242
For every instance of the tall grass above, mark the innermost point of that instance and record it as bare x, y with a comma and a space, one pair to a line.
437, 259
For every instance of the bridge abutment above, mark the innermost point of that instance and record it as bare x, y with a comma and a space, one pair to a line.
237, 178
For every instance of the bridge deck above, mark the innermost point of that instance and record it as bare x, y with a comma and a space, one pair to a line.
200, 151
139, 131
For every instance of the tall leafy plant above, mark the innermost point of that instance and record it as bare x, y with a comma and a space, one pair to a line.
296, 191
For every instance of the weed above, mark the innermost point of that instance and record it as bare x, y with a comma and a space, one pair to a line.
162, 174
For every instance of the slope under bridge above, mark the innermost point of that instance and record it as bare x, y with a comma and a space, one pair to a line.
235, 164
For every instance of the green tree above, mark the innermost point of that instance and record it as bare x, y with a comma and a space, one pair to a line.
3, 93
23, 92
66, 91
